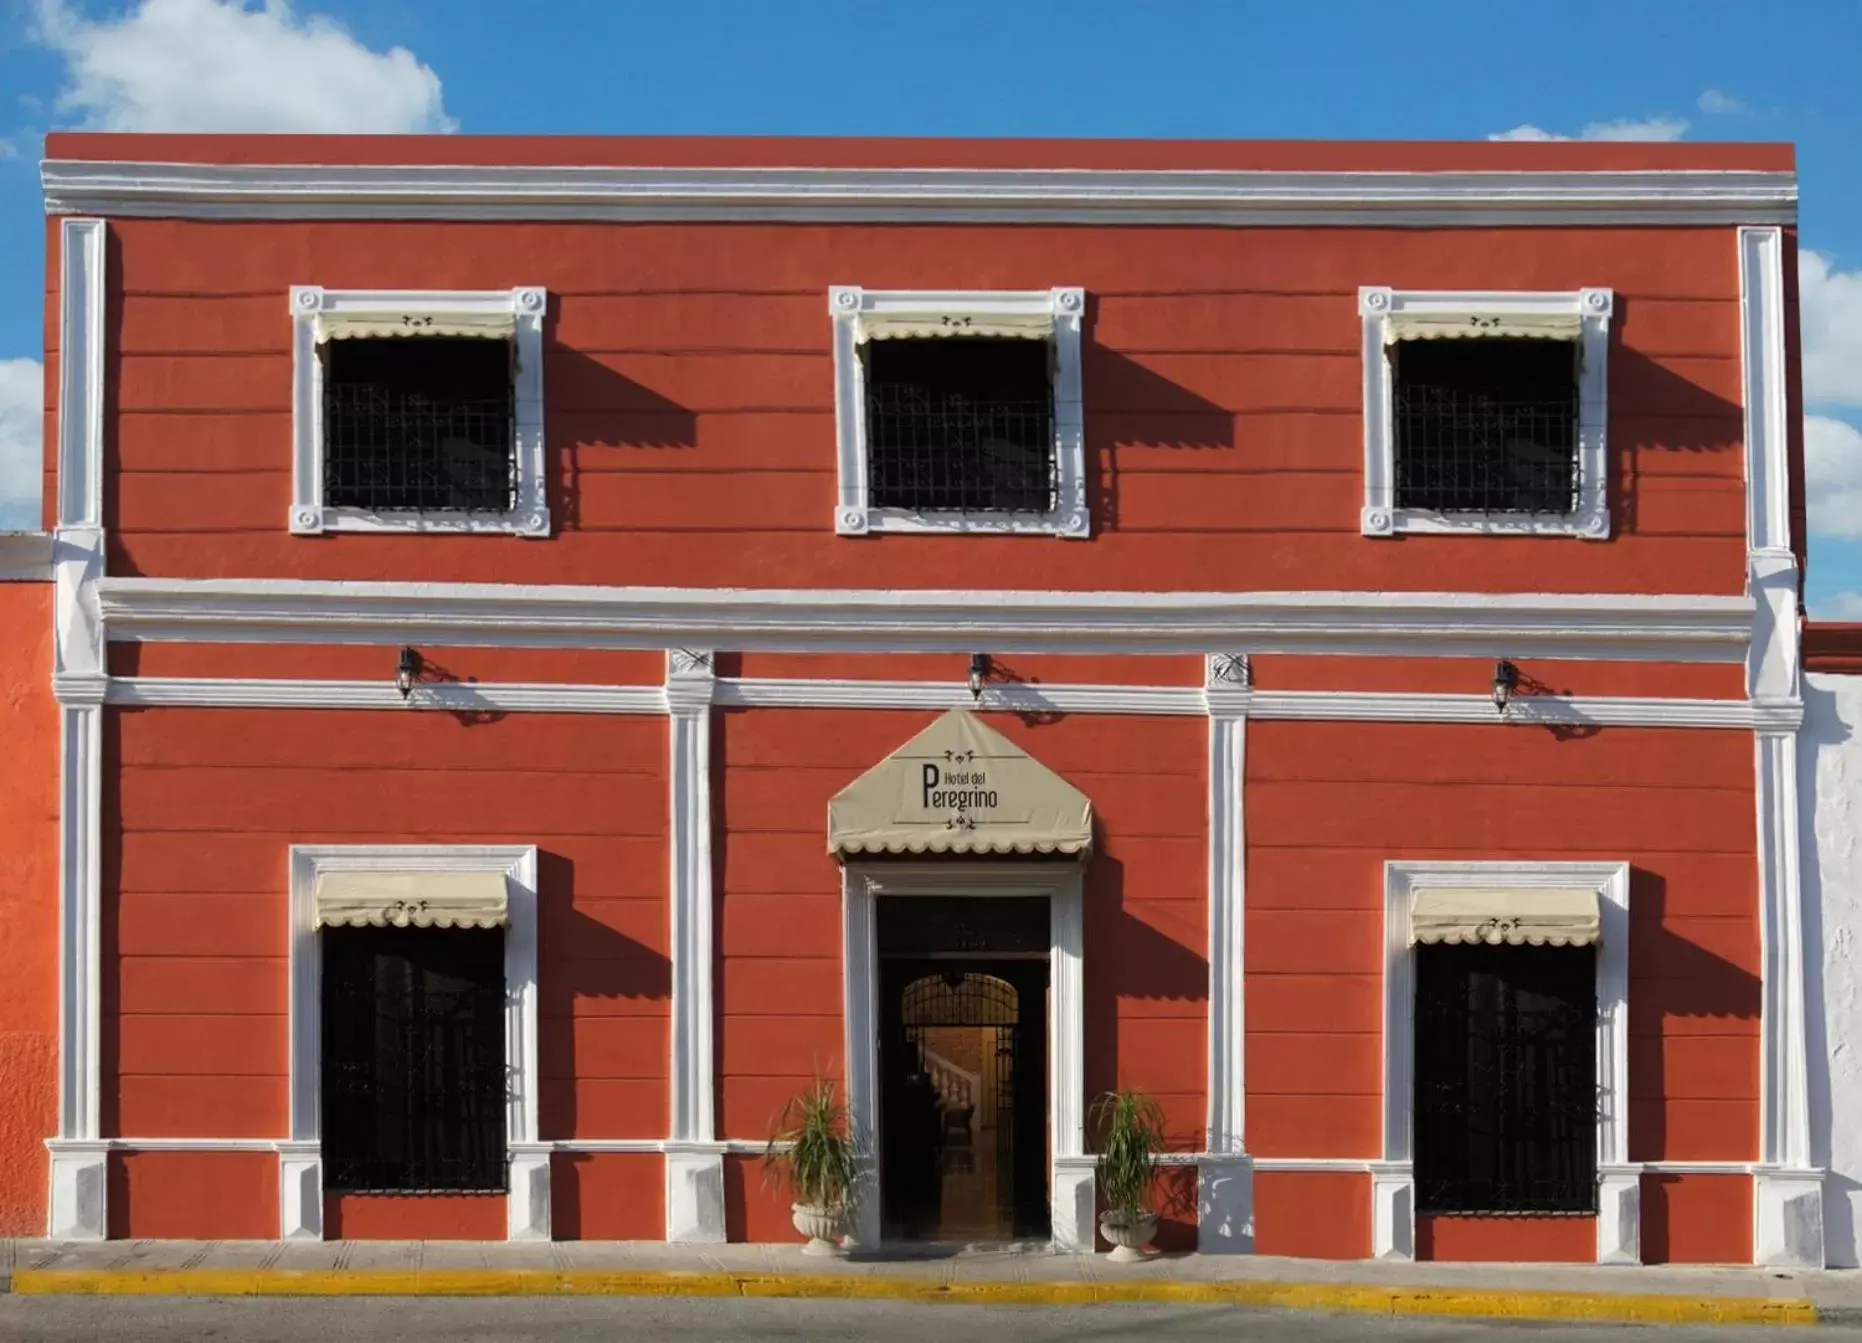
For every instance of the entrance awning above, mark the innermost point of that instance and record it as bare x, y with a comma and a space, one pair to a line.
411, 899
959, 787
1517, 917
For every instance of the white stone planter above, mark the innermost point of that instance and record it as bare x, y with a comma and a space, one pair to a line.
1128, 1234
823, 1227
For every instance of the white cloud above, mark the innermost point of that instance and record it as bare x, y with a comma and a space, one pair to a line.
1716, 103
1526, 132
1650, 128
22, 426
1833, 474
1831, 311
1837, 606
224, 65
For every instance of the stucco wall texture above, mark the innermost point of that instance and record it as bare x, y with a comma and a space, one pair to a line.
28, 907
1829, 811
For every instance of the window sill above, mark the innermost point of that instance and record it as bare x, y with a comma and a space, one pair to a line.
855, 521
1590, 524
315, 521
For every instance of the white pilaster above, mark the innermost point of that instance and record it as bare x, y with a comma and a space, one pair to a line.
695, 1193
1619, 1214
527, 1207
1073, 1170
78, 1168
1393, 1211
1787, 1197
694, 1161
1766, 384
300, 1191
1225, 1178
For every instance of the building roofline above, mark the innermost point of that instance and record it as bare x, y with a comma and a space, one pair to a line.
761, 193
1127, 155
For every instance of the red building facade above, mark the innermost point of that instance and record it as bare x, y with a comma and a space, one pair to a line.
1343, 597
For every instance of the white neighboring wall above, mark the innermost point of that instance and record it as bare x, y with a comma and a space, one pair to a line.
1830, 783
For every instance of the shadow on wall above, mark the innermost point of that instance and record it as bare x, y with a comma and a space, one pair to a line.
1131, 958
1173, 415
1830, 968
582, 958
600, 423
1654, 409
1673, 976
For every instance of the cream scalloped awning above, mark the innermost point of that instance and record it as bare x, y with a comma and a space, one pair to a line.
411, 900
1463, 325
374, 325
921, 326
1517, 917
959, 787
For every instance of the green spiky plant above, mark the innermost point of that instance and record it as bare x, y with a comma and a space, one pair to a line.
1130, 1132
811, 1149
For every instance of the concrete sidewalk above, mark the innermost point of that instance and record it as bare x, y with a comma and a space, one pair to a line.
996, 1276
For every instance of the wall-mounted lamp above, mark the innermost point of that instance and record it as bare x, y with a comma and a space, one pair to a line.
979, 672
1505, 682
406, 671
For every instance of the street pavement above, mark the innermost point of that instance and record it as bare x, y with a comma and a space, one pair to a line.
695, 1319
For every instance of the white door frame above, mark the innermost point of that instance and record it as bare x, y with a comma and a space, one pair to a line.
1070, 1175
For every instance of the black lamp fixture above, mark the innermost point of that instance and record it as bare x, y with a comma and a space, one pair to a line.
1505, 682
406, 670
979, 671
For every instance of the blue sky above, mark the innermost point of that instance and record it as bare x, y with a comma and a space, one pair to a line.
1428, 69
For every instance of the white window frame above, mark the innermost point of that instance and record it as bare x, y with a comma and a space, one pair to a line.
300, 1173
1393, 1187
855, 515
526, 305
1381, 517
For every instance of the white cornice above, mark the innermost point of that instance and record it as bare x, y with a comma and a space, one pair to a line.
888, 195
1427, 624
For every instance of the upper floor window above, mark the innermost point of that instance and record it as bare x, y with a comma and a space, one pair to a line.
959, 412
418, 411
1486, 412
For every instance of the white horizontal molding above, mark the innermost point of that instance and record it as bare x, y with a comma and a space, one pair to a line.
882, 195
755, 693
761, 693
1418, 624
757, 1146
1534, 711
449, 697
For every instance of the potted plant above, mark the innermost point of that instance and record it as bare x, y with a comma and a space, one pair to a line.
811, 1151
1131, 1134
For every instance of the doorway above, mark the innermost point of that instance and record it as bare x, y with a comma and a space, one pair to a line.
963, 1123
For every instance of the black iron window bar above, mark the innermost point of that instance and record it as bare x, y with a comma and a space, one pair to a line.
1505, 1108
413, 1068
962, 425
419, 424
1486, 426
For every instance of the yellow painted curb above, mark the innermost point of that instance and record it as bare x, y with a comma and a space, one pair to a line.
1380, 1300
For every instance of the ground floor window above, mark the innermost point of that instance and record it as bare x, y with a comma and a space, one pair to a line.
413, 1071
1505, 1079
